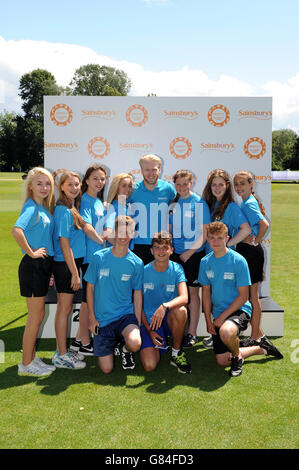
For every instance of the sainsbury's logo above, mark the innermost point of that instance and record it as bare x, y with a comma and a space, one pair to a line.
255, 114
217, 146
137, 147
62, 146
188, 115
98, 113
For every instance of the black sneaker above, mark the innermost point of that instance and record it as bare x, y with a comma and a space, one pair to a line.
189, 341
208, 342
180, 361
75, 346
236, 366
245, 343
269, 347
116, 349
86, 350
127, 360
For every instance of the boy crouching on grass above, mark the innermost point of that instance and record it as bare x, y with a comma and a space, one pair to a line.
112, 276
225, 280
164, 314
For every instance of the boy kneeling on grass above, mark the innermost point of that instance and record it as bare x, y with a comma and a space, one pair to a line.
112, 276
225, 280
164, 314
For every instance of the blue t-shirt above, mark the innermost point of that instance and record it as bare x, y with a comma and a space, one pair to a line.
150, 209
64, 227
116, 209
160, 287
225, 275
38, 225
252, 212
93, 212
114, 280
233, 218
186, 220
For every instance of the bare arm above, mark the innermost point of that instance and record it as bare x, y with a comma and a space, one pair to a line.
20, 238
207, 308
69, 259
92, 234
90, 306
179, 301
196, 245
263, 227
244, 231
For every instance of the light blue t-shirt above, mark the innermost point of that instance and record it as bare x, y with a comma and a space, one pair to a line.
116, 209
186, 220
225, 275
114, 279
93, 212
233, 218
150, 209
252, 212
160, 287
64, 227
38, 225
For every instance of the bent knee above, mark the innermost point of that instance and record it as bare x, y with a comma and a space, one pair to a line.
134, 344
223, 360
227, 331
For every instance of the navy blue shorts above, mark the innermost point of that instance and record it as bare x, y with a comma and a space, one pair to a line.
163, 331
104, 342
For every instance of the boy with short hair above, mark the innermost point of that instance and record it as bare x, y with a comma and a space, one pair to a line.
112, 276
225, 280
164, 312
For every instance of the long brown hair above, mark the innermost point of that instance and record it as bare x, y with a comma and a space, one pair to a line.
211, 200
89, 171
64, 201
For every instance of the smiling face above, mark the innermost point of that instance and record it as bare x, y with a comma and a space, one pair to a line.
71, 187
243, 187
150, 171
218, 187
125, 187
96, 182
183, 186
161, 251
40, 187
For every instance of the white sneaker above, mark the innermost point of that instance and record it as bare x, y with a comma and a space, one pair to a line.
77, 355
33, 370
43, 364
208, 342
67, 361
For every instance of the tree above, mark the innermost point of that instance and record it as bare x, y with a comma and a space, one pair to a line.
97, 80
33, 87
283, 148
8, 139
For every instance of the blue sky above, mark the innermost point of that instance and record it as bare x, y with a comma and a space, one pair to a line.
169, 47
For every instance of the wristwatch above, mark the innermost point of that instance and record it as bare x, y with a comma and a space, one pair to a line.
163, 305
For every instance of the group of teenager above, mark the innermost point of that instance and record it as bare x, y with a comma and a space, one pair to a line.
141, 258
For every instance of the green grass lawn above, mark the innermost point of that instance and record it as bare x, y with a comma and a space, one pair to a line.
162, 409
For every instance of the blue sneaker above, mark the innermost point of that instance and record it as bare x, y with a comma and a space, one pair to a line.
67, 361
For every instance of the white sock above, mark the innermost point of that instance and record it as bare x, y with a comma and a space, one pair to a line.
125, 349
175, 352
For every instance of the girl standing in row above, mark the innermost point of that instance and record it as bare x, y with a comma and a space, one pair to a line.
33, 232
188, 219
93, 211
69, 253
251, 247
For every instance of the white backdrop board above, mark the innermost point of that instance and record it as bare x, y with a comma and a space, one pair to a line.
198, 134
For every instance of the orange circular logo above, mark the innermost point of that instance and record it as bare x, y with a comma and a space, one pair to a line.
180, 147
255, 148
57, 172
61, 115
99, 147
218, 115
137, 115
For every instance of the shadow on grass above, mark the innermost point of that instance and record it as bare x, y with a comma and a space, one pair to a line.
206, 374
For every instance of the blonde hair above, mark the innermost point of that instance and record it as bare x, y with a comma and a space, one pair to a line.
150, 158
49, 201
112, 193
250, 179
64, 201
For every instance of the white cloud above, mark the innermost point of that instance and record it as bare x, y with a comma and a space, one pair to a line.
19, 57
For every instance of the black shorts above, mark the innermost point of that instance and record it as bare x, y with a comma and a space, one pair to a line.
254, 256
240, 319
144, 253
63, 276
191, 267
84, 283
34, 276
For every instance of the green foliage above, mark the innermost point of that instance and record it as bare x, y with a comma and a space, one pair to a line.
284, 148
8, 140
97, 80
